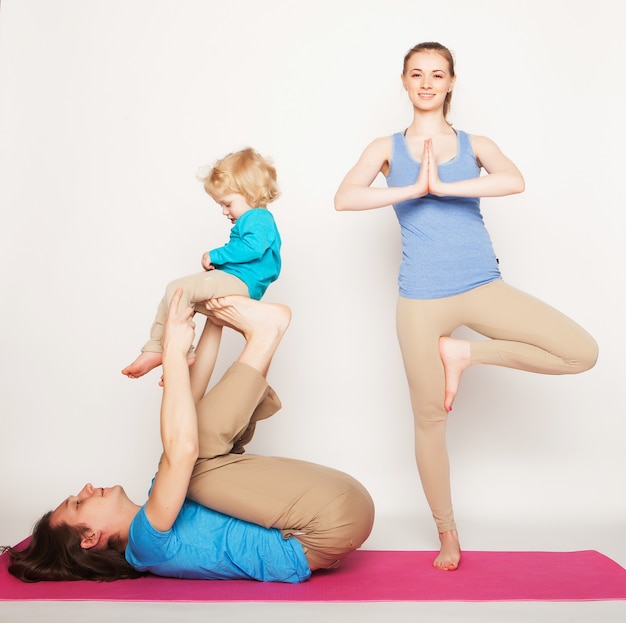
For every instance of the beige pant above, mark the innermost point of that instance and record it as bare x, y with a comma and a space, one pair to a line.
328, 511
196, 289
524, 333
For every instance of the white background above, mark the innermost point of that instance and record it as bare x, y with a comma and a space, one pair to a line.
108, 109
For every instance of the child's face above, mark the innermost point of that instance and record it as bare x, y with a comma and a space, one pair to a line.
233, 205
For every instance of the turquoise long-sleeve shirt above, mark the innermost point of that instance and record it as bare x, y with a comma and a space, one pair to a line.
253, 251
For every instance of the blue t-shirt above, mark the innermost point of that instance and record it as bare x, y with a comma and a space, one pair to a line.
205, 544
446, 248
252, 252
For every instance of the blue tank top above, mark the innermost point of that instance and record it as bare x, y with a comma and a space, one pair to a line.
446, 249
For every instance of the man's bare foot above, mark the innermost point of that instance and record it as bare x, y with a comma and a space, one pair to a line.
143, 364
262, 325
450, 553
455, 355
214, 319
248, 316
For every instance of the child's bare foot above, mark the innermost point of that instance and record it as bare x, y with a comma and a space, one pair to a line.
450, 554
455, 355
143, 364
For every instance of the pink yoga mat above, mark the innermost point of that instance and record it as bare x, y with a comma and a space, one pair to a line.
369, 575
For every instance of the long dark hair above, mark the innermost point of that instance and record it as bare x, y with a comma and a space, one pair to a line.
54, 554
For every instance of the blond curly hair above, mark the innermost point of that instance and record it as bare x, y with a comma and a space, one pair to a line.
245, 172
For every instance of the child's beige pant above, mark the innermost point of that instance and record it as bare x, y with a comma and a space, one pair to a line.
196, 289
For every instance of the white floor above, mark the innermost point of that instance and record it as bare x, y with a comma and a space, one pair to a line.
389, 533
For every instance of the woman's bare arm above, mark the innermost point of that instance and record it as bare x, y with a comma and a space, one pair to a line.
355, 192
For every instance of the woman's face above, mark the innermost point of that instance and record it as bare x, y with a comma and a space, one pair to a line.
427, 79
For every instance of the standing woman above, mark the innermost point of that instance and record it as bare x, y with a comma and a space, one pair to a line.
449, 275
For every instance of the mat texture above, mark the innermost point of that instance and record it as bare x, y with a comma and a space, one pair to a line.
370, 575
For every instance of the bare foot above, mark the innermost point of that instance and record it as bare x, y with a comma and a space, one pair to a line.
261, 324
214, 319
450, 553
143, 364
455, 355
248, 316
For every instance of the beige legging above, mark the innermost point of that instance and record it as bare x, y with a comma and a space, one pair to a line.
328, 511
524, 333
196, 288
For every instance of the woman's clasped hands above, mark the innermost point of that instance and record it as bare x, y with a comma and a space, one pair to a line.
428, 181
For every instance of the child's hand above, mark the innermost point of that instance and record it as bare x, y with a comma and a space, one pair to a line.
206, 262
